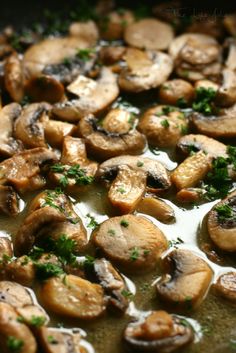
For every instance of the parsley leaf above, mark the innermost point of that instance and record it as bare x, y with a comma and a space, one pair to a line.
165, 123
204, 99
47, 270
93, 223
134, 254
14, 344
224, 212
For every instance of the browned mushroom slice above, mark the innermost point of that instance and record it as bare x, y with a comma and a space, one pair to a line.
206, 84
14, 333
226, 95
149, 33
28, 126
189, 195
110, 55
118, 121
194, 143
144, 70
20, 270
191, 171
184, 267
23, 169
78, 298
156, 208
221, 223
112, 26
222, 125
85, 30
176, 92
55, 340
93, 96
14, 294
14, 77
44, 88
158, 332
229, 22
5, 248
127, 189
132, 242
104, 145
8, 144
9, 201
163, 126
226, 286
55, 131
157, 175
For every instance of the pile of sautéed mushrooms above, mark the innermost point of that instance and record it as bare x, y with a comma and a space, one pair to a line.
117, 182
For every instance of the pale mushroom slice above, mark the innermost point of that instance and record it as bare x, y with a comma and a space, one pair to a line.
131, 242
78, 298
183, 268
226, 95
163, 125
144, 70
112, 26
55, 340
56, 131
23, 170
14, 333
149, 33
93, 96
28, 126
14, 294
176, 92
87, 31
221, 223
226, 286
8, 144
160, 332
157, 208
14, 77
5, 248
9, 201
230, 62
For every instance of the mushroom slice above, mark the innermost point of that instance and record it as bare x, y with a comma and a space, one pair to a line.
118, 121
206, 84
229, 22
163, 126
20, 270
226, 286
110, 55
14, 77
28, 126
33, 315
8, 144
13, 332
55, 131
104, 144
157, 175
5, 248
55, 340
93, 96
190, 195
157, 208
9, 201
144, 70
14, 294
176, 92
184, 267
158, 332
191, 171
194, 143
44, 88
226, 95
85, 30
23, 169
78, 298
221, 223
133, 243
149, 33
222, 125
113, 25
230, 63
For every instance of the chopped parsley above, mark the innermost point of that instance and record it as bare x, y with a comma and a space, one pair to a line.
134, 254
121, 190
126, 293
140, 164
74, 172
52, 340
37, 321
85, 54
146, 252
165, 123
47, 270
224, 212
124, 223
64, 248
174, 243
36, 253
89, 261
51, 199
203, 100
184, 129
14, 344
111, 232
92, 223
181, 102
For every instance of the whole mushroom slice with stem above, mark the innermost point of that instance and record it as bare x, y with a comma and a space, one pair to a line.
144, 70
23, 170
14, 77
8, 144
131, 242
91, 96
149, 33
158, 332
15, 336
157, 208
176, 92
9, 201
29, 127
163, 125
183, 267
221, 223
226, 286
78, 298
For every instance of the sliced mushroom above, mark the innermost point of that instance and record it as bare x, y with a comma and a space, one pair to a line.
20, 270
158, 332
190, 195
14, 77
93, 96
163, 127
230, 44
55, 340
13, 331
14, 294
156, 208
44, 88
132, 242
176, 92
110, 55
229, 22
226, 286
144, 70
55, 131
149, 33
28, 126
184, 268
85, 30
113, 25
104, 145
78, 298
226, 95
194, 143
191, 171
5, 247
157, 175
9, 201
23, 169
118, 121
8, 144
221, 228
222, 125
206, 84
30, 312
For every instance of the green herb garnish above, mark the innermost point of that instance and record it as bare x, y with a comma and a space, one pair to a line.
14, 344
204, 99
134, 254
224, 212
85, 54
47, 270
124, 223
165, 123
92, 223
